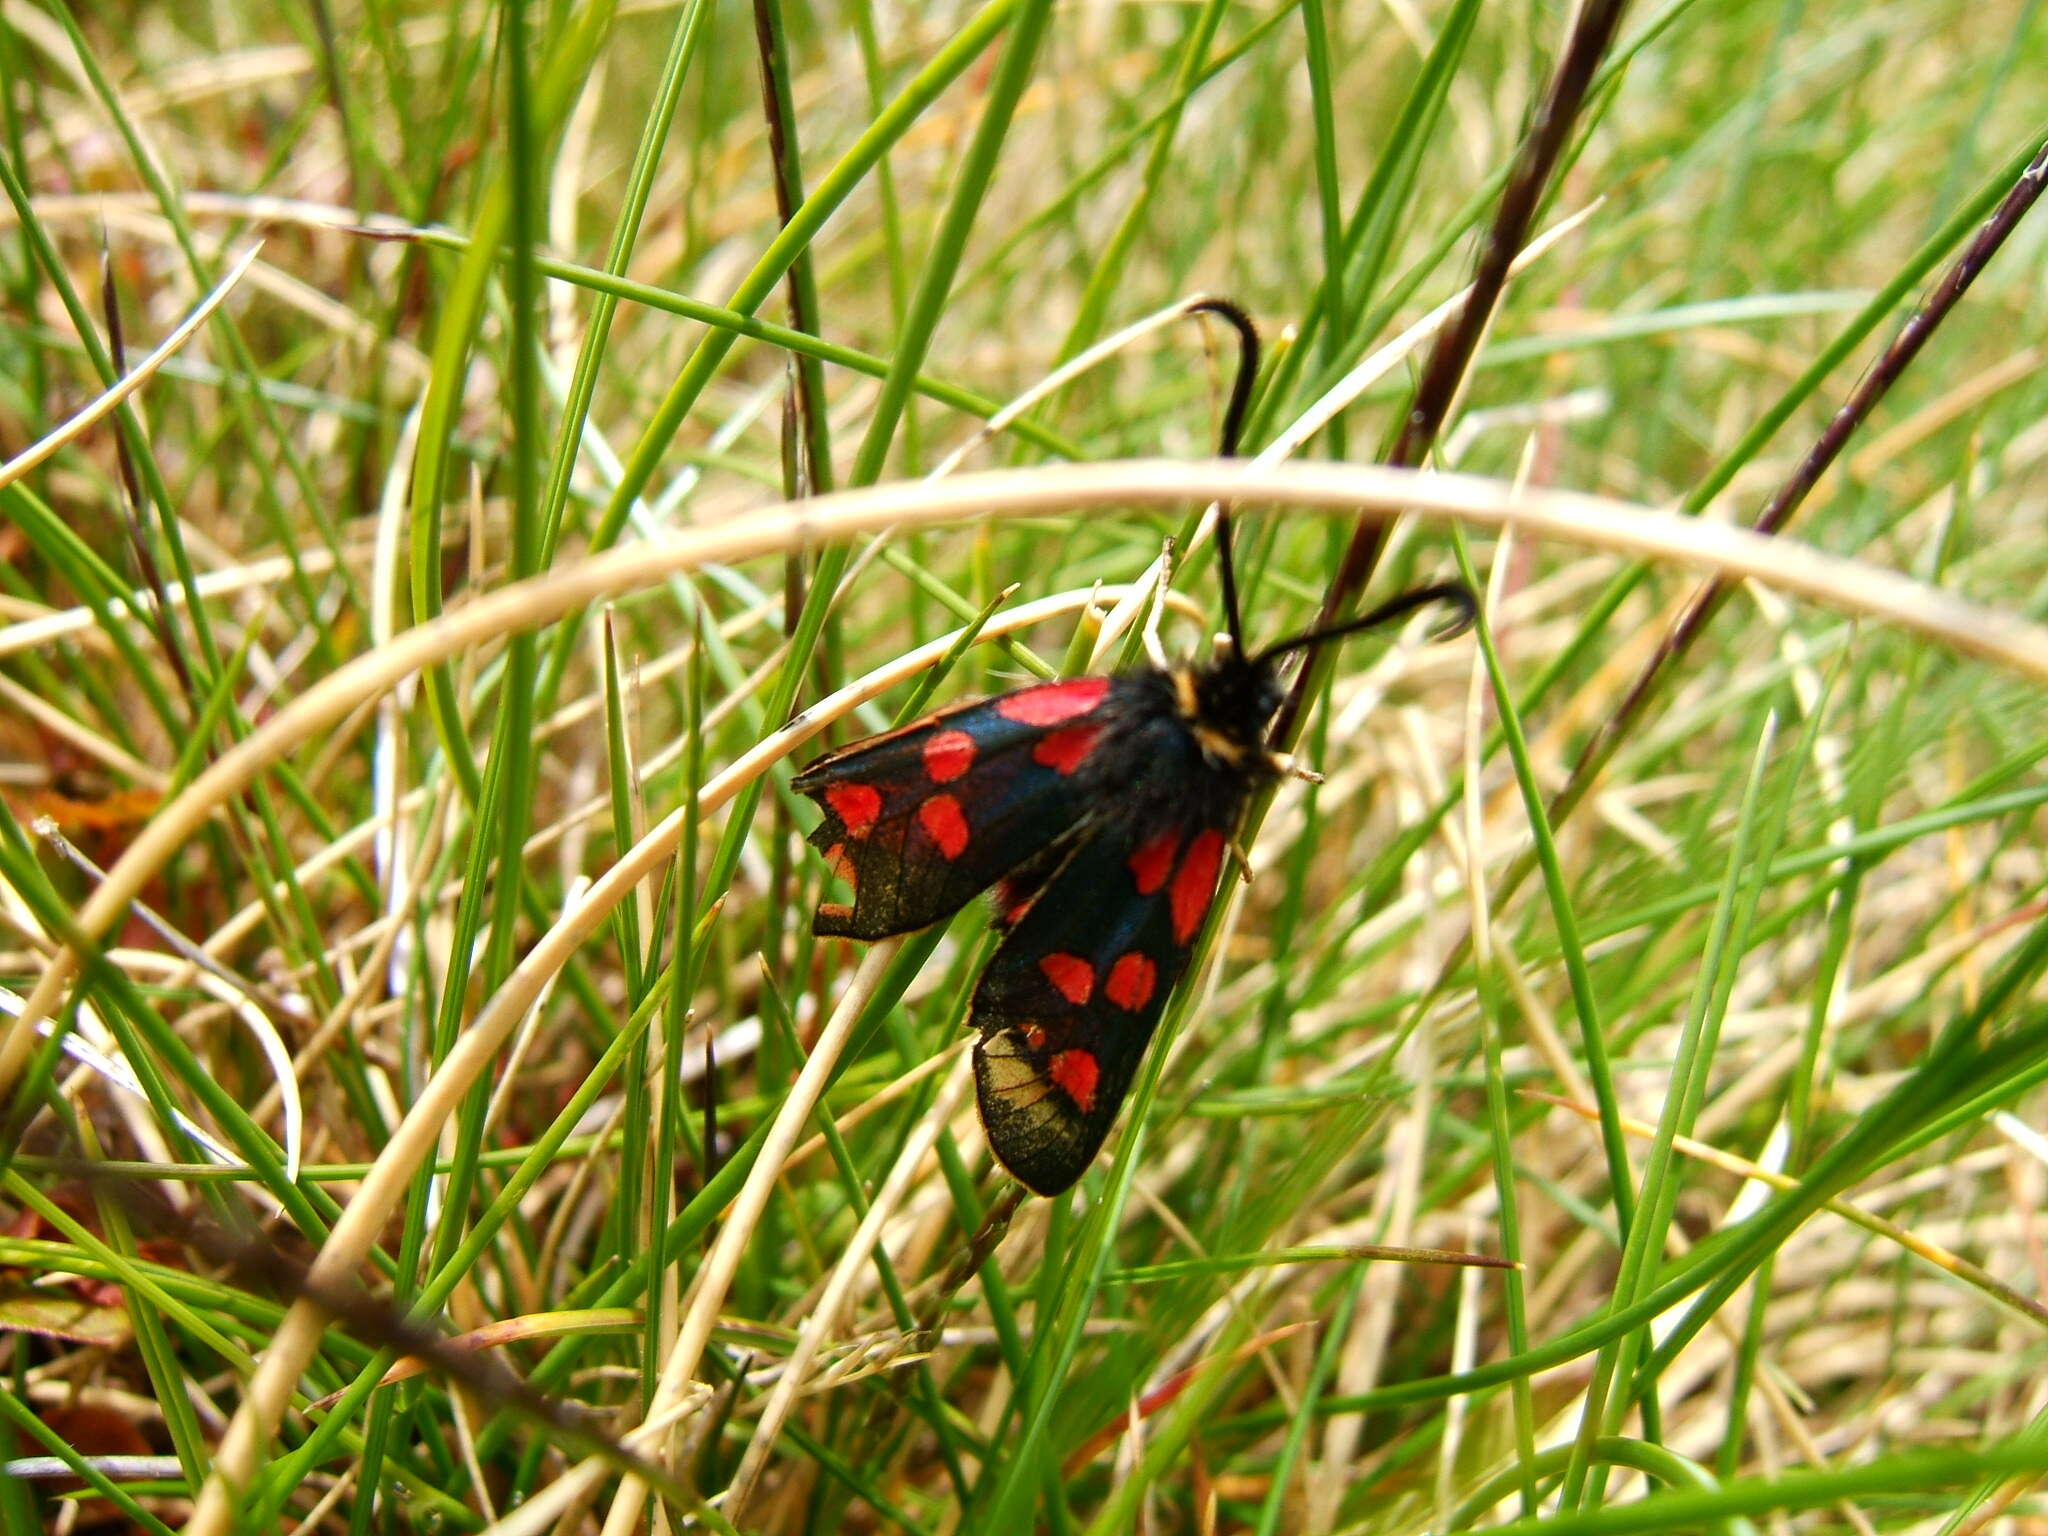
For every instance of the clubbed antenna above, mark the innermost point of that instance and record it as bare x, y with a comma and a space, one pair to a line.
1455, 593
1233, 426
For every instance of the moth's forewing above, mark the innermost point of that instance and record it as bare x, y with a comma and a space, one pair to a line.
923, 819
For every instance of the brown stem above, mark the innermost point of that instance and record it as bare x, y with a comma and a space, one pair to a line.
1874, 385
132, 508
1534, 165
778, 108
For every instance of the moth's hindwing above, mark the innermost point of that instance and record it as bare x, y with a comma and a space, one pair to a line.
1071, 997
923, 818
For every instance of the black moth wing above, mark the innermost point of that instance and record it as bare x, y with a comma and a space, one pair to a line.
1071, 997
921, 819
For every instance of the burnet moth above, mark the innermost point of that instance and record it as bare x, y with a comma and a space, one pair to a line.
1100, 813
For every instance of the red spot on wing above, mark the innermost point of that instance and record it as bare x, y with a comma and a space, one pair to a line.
1194, 883
1131, 981
944, 823
1064, 751
1053, 703
1151, 864
1073, 976
1076, 1074
1034, 1036
840, 865
856, 805
947, 755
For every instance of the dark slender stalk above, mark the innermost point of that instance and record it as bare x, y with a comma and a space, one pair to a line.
807, 443
146, 568
1912, 337
778, 107
1535, 164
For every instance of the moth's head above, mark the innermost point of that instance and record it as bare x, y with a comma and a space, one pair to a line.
1234, 696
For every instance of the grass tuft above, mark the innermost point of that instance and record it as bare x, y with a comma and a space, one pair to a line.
405, 647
